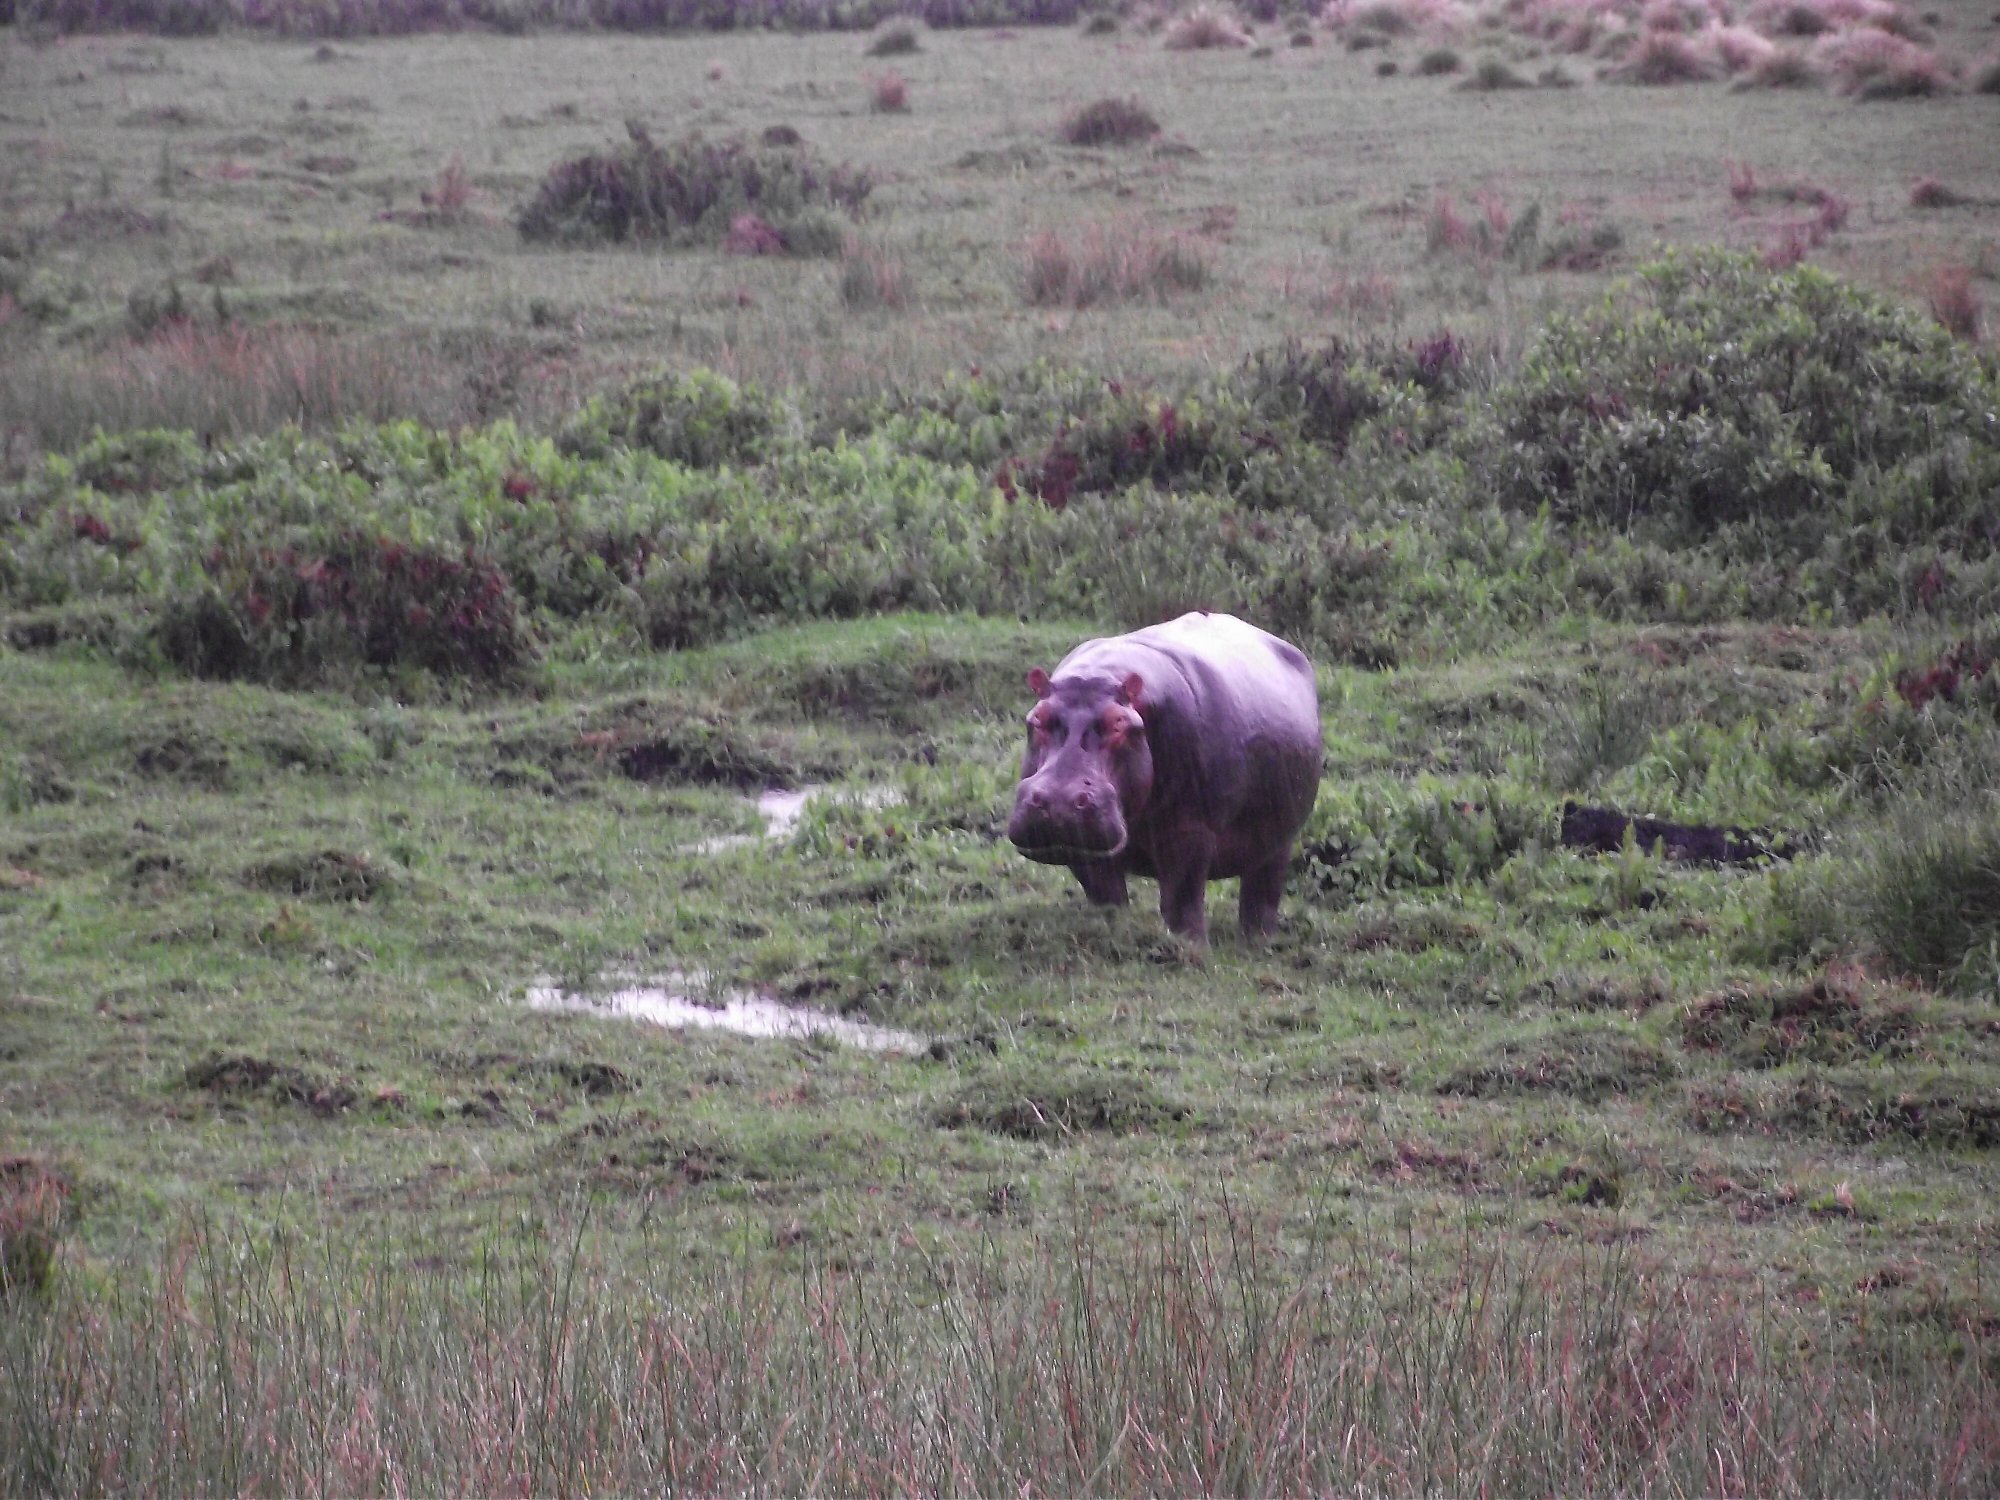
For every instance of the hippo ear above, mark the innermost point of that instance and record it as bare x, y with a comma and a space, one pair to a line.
1130, 689
1038, 682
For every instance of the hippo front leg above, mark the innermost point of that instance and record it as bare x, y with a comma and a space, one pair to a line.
1184, 887
1103, 881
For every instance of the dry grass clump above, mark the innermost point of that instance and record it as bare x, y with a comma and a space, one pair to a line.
1205, 28
1986, 76
1490, 74
233, 380
1110, 122
34, 1198
897, 40
1871, 64
1386, 17
1660, 58
1738, 49
1438, 61
1928, 192
871, 276
1200, 1358
1785, 68
1955, 302
1120, 262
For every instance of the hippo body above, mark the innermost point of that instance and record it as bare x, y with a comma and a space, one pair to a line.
1187, 752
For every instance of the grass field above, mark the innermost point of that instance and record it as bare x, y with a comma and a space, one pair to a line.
1503, 1165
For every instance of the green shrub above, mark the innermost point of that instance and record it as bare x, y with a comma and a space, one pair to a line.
1367, 839
291, 615
699, 418
1711, 394
1928, 893
687, 193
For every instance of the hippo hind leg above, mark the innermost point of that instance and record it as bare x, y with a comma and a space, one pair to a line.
1263, 887
1103, 882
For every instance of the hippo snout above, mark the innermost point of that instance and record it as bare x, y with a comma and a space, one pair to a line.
1060, 825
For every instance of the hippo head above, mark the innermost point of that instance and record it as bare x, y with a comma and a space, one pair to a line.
1088, 769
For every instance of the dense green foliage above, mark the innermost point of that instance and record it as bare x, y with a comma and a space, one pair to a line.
1739, 442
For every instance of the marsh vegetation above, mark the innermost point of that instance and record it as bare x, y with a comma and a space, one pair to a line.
444, 488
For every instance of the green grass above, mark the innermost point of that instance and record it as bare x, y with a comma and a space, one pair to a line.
1686, 1172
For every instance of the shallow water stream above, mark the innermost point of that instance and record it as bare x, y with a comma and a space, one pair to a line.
671, 1001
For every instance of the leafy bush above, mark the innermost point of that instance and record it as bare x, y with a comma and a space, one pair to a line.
688, 193
291, 616
1713, 395
1929, 893
1365, 840
700, 419
1664, 57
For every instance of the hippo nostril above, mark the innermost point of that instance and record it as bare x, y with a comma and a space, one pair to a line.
1084, 802
1038, 799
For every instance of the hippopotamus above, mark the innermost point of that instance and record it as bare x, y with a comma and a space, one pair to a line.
1188, 751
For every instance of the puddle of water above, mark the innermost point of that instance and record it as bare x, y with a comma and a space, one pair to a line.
668, 1003
781, 810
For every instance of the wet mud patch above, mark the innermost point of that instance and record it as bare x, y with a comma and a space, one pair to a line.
1414, 933
239, 1078
1839, 1017
35, 780
1424, 1161
781, 808
91, 623
650, 742
640, 1148
682, 999
1605, 830
905, 694
1054, 1104
594, 1080
1588, 1064
192, 759
1854, 1107
321, 875
1598, 992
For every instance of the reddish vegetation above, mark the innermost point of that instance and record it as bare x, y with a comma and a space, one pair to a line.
1445, 228
1959, 667
889, 93
393, 602
96, 530
1955, 302
750, 234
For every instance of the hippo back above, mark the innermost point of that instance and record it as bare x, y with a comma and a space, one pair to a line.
1232, 713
